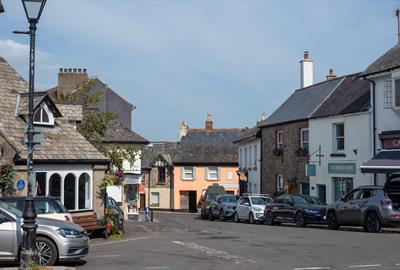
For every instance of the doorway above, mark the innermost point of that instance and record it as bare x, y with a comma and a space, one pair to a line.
321, 193
142, 201
193, 201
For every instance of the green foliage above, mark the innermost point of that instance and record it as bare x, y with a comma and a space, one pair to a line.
81, 95
7, 179
302, 152
112, 218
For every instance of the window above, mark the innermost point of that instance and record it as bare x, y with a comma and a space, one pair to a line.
279, 139
304, 188
155, 198
342, 186
161, 175
42, 116
229, 176
255, 156
338, 143
397, 93
212, 173
240, 157
55, 186
84, 191
69, 191
250, 157
304, 141
279, 183
40, 184
188, 173
245, 158
387, 95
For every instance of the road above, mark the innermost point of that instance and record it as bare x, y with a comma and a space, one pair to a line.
182, 241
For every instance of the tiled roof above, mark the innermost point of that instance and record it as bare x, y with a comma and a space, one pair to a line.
390, 60
38, 98
302, 103
119, 134
351, 96
204, 146
151, 151
61, 143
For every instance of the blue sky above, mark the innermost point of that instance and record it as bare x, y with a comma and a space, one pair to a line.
179, 60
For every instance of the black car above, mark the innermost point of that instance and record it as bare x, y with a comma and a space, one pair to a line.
112, 205
223, 207
294, 209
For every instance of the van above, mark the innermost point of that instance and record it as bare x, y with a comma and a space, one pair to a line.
207, 197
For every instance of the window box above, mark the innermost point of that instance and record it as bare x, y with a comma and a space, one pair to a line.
278, 152
302, 152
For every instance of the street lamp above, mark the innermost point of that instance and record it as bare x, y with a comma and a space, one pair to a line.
1, 7
33, 10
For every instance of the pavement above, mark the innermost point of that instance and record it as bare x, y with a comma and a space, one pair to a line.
183, 241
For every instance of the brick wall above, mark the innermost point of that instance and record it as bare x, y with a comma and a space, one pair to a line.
289, 165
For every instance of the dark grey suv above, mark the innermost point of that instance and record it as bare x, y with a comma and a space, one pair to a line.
367, 206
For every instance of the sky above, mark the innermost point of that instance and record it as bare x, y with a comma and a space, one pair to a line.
179, 60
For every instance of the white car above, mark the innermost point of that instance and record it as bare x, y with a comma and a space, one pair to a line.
251, 208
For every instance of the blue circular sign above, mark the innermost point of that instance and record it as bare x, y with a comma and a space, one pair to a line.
20, 185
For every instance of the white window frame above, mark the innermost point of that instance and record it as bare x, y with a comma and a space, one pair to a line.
245, 157
188, 171
40, 110
279, 139
397, 107
212, 173
279, 182
255, 156
388, 94
335, 138
302, 140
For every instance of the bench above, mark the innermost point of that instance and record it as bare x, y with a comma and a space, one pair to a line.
89, 223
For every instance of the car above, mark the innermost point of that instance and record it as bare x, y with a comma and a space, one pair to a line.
223, 207
112, 205
208, 196
294, 209
313, 200
56, 240
369, 206
251, 208
48, 207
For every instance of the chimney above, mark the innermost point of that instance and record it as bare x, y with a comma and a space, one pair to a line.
330, 75
183, 129
209, 122
70, 79
306, 71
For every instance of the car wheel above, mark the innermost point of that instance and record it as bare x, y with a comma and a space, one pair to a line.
269, 218
210, 215
47, 251
251, 219
372, 223
300, 219
237, 220
331, 220
221, 215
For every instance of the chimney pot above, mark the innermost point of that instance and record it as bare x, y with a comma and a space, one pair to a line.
60, 70
331, 75
183, 129
70, 70
306, 55
209, 122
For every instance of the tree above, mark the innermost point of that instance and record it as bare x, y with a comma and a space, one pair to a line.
7, 178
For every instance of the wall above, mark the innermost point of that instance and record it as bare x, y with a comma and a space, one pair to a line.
163, 189
121, 107
357, 133
200, 183
253, 168
289, 165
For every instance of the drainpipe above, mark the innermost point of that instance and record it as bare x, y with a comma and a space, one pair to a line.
171, 188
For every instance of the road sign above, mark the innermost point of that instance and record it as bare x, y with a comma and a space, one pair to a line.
20, 185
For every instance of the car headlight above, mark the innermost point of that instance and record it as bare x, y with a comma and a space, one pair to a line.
311, 211
70, 233
257, 209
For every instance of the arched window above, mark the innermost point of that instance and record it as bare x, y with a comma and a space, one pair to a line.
55, 185
43, 116
69, 191
84, 191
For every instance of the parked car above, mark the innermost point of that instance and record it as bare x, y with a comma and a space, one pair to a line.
313, 200
56, 240
112, 205
294, 209
47, 207
209, 195
223, 207
251, 208
367, 206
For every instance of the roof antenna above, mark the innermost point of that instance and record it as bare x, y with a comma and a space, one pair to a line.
398, 25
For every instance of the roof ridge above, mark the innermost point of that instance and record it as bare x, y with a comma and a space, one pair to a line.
319, 83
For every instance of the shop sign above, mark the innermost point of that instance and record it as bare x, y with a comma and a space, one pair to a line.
311, 170
342, 168
391, 143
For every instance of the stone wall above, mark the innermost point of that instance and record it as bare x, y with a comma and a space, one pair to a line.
289, 164
98, 203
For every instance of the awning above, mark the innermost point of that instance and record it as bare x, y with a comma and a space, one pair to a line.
386, 161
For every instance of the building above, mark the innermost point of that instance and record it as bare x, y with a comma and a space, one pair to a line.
158, 174
285, 134
249, 148
65, 164
340, 136
384, 78
204, 157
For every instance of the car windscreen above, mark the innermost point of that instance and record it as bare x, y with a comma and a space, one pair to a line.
299, 200
11, 209
259, 200
229, 199
211, 196
313, 200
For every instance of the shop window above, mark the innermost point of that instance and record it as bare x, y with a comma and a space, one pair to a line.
342, 186
161, 175
40, 184
55, 186
84, 191
69, 191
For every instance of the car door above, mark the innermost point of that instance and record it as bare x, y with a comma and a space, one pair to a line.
8, 237
288, 208
359, 205
345, 208
240, 206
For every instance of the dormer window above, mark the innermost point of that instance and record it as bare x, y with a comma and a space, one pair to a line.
43, 116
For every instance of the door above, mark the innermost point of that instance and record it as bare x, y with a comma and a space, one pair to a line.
7, 237
193, 201
184, 200
321, 193
142, 201
359, 205
243, 208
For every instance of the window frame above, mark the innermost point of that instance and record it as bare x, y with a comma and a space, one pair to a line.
279, 139
160, 174
302, 141
185, 172
388, 102
40, 110
212, 169
336, 138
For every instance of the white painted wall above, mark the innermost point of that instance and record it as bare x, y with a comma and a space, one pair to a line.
253, 168
358, 135
134, 168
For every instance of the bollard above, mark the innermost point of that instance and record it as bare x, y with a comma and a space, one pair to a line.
151, 214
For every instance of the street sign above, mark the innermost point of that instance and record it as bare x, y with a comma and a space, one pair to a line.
20, 185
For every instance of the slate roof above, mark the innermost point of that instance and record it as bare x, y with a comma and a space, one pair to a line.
61, 143
302, 103
151, 151
351, 96
390, 60
247, 135
38, 98
215, 146
119, 134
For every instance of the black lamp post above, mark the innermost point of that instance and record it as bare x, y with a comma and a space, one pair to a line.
33, 10
1, 7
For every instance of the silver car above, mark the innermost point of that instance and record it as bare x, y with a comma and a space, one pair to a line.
251, 208
56, 240
367, 206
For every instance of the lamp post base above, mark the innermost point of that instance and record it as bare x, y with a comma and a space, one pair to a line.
28, 259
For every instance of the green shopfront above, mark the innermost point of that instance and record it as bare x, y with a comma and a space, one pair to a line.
342, 176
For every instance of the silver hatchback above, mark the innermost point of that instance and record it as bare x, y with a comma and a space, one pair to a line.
56, 240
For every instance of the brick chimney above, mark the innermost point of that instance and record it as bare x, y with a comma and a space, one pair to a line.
306, 71
69, 79
183, 129
209, 122
330, 75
